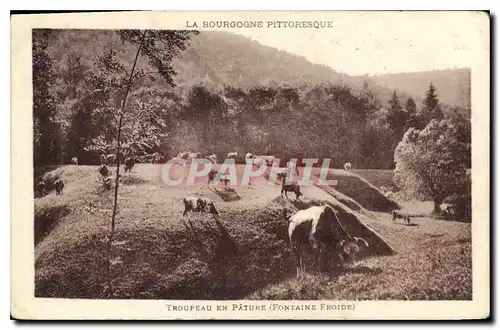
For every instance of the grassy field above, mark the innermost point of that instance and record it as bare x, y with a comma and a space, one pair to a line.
158, 254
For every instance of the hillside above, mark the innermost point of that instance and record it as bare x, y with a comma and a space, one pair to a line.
453, 86
213, 59
159, 254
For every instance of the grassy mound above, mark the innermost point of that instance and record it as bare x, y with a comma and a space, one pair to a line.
159, 254
360, 190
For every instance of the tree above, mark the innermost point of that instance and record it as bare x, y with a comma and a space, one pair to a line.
159, 47
411, 112
46, 142
431, 108
396, 116
430, 163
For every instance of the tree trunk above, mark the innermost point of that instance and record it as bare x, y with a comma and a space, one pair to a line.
118, 155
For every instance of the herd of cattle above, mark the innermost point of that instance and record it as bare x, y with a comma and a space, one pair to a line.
317, 226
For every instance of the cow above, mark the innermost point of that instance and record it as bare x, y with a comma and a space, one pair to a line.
59, 184
104, 171
41, 187
128, 164
320, 228
74, 161
293, 187
199, 204
405, 216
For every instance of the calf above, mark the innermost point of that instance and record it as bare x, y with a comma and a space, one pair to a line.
396, 214
320, 228
199, 204
129, 163
59, 184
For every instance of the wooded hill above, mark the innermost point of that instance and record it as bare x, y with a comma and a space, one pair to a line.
232, 94
453, 84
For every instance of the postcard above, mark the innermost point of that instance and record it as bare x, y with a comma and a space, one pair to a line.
250, 165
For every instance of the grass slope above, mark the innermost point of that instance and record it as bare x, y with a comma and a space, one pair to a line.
158, 254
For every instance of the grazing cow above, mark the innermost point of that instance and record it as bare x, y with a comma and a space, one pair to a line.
193, 155
111, 159
269, 160
104, 171
59, 184
405, 216
446, 209
128, 164
183, 155
293, 187
199, 204
74, 161
224, 179
213, 158
347, 166
320, 228
40, 187
249, 158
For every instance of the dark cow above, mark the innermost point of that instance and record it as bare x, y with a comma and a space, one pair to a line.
59, 184
41, 187
293, 187
129, 163
104, 171
320, 228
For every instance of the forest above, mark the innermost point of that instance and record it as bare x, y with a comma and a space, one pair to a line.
77, 93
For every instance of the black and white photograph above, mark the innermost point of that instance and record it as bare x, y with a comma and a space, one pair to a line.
251, 164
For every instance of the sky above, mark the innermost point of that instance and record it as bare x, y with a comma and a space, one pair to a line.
378, 43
